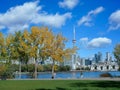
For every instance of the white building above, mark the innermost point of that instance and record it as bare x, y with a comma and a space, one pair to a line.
113, 66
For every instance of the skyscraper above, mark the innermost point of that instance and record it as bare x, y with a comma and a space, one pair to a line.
98, 57
108, 56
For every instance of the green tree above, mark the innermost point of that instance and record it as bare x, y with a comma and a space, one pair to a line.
117, 53
3, 50
17, 51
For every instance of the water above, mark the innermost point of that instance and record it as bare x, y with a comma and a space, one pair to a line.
67, 75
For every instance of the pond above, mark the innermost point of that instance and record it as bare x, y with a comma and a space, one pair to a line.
67, 75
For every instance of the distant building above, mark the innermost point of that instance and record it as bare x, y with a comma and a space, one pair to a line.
98, 57
108, 56
104, 67
87, 62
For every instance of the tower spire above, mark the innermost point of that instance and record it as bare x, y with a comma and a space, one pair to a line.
73, 62
74, 32
74, 39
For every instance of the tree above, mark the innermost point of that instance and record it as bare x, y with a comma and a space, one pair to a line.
39, 44
17, 51
117, 53
3, 52
56, 49
9, 47
47, 45
25, 46
37, 40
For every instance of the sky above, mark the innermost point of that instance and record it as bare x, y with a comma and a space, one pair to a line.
96, 22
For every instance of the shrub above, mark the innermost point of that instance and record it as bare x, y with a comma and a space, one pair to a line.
15, 67
87, 68
64, 68
2, 69
40, 68
47, 67
68, 67
119, 68
77, 68
106, 75
24, 68
31, 67
6, 71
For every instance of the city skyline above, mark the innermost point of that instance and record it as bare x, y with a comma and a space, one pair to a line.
97, 22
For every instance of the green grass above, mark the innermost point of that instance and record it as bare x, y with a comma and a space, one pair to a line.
58, 85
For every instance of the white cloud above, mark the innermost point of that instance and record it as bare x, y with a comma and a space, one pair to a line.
56, 20
84, 39
99, 42
114, 20
20, 17
70, 4
87, 20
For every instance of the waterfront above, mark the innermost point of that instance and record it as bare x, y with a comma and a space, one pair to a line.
69, 75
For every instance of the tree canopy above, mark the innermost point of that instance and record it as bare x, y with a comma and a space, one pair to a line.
39, 43
117, 52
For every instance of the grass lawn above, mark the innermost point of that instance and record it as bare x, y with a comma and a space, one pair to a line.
59, 85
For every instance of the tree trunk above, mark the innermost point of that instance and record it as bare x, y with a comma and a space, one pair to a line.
53, 70
20, 69
35, 69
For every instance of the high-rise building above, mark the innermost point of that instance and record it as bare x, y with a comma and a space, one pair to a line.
88, 62
82, 63
98, 57
108, 56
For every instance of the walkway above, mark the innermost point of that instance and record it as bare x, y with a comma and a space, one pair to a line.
110, 79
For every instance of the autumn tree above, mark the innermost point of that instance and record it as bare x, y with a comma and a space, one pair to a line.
10, 49
39, 44
4, 53
37, 40
47, 45
56, 49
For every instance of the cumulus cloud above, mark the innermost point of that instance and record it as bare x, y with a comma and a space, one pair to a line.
87, 19
56, 20
20, 17
70, 4
114, 20
99, 42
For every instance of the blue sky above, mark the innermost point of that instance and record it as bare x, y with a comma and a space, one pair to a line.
97, 22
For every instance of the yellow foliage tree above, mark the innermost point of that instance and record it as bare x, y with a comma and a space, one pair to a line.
56, 50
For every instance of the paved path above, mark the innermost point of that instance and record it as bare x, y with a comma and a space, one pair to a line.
110, 79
